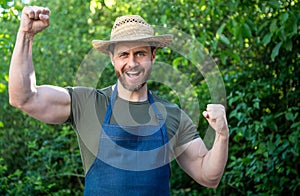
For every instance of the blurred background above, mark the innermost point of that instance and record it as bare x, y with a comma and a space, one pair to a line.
255, 45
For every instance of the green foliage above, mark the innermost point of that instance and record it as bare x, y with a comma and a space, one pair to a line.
256, 46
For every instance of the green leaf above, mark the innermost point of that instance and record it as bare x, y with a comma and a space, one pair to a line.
263, 26
273, 26
293, 24
256, 103
252, 26
274, 4
296, 125
267, 38
246, 31
275, 51
224, 39
289, 116
283, 17
221, 29
233, 55
288, 45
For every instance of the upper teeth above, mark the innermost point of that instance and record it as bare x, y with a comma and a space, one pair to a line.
132, 72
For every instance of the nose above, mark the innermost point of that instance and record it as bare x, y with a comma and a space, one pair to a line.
132, 61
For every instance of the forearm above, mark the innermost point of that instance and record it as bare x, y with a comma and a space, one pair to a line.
215, 160
21, 74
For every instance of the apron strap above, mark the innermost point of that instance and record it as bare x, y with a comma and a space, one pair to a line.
159, 116
110, 105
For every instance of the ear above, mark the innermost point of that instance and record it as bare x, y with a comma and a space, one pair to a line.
153, 55
112, 58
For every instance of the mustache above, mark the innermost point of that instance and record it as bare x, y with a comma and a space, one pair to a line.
133, 69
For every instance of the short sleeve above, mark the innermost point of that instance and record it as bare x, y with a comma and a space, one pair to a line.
187, 130
81, 97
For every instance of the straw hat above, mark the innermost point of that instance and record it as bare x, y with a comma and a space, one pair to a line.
132, 28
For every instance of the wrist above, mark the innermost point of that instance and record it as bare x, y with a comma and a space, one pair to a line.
224, 134
25, 35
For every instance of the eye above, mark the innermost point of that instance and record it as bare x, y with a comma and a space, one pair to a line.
140, 54
123, 55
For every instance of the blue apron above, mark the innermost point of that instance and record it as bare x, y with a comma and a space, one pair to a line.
131, 160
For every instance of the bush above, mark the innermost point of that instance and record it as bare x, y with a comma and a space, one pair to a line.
254, 43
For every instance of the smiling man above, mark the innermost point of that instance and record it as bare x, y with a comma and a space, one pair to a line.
126, 133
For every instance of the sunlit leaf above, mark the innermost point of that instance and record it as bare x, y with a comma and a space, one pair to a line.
224, 39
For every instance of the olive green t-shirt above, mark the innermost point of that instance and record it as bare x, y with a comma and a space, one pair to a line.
89, 107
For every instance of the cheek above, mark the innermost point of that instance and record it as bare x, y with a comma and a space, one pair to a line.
117, 68
118, 65
117, 73
148, 65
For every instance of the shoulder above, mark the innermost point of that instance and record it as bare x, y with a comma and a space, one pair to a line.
85, 100
168, 105
85, 92
106, 90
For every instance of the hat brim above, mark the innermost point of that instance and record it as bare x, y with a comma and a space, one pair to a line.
157, 41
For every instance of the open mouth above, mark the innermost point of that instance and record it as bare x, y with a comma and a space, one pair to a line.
133, 74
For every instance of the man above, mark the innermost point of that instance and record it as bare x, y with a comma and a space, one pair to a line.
126, 134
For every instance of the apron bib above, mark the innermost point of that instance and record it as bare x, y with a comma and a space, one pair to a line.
131, 160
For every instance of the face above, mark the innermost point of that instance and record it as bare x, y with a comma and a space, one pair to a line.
132, 62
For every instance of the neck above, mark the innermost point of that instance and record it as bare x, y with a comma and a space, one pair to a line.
134, 96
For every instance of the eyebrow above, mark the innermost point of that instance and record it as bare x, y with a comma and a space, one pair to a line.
136, 52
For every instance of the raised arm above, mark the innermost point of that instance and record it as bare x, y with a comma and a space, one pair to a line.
207, 167
47, 103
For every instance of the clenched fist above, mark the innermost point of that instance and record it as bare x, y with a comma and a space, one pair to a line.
216, 116
34, 19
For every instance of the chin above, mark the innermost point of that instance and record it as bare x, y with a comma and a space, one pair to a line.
133, 88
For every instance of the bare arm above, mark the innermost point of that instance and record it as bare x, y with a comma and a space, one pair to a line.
207, 167
47, 103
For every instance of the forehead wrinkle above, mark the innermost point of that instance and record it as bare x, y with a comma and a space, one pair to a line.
135, 46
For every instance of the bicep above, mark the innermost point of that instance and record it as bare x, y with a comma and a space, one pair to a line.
190, 158
50, 104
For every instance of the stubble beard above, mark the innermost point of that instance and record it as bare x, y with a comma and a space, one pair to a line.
132, 87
